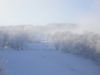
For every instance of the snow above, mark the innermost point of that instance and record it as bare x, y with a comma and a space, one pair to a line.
47, 63
39, 46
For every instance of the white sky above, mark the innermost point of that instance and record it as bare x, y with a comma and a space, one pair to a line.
37, 12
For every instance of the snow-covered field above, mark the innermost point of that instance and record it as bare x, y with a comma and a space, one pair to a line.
47, 63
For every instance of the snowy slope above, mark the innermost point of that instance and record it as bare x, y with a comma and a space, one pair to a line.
47, 63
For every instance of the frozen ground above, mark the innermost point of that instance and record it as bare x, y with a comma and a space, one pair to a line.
41, 59
47, 63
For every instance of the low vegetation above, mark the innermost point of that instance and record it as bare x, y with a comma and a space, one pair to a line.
86, 45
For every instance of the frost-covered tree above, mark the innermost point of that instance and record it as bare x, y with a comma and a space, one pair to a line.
19, 41
86, 45
4, 37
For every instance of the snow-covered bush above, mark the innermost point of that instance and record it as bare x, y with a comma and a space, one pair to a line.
16, 41
19, 41
3, 39
86, 45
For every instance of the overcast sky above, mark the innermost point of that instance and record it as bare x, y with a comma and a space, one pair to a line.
39, 12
